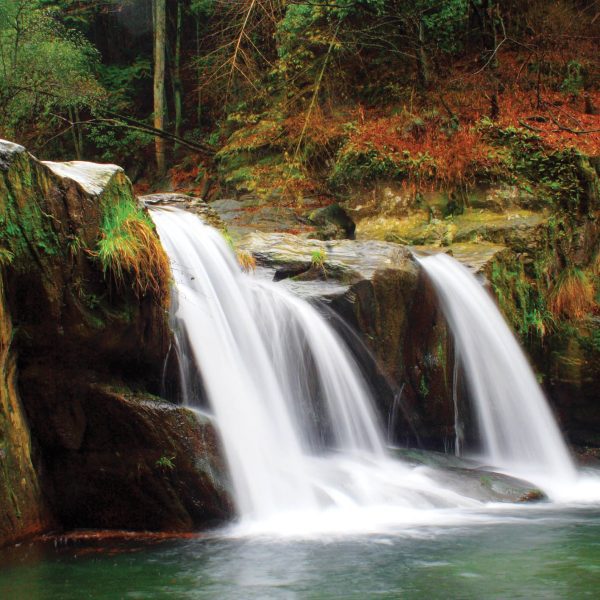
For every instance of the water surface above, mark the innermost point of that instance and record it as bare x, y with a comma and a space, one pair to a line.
523, 553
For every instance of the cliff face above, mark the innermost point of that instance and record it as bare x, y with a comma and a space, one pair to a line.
24, 510
83, 340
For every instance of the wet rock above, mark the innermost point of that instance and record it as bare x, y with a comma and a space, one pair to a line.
24, 510
190, 203
403, 344
344, 261
71, 452
477, 256
471, 479
142, 464
370, 284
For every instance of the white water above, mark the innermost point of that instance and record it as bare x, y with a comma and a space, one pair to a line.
302, 440
301, 437
517, 429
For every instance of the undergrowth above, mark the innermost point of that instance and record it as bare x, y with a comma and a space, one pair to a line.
572, 296
130, 251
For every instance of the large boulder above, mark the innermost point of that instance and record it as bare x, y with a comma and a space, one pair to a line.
123, 450
84, 303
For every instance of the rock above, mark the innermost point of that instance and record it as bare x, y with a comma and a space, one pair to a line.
143, 464
382, 294
478, 257
250, 213
24, 509
404, 346
332, 222
518, 228
8, 152
92, 177
190, 203
73, 451
344, 261
468, 478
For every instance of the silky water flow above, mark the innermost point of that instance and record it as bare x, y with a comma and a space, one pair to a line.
303, 442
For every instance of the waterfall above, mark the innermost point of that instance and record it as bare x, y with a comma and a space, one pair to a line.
296, 417
517, 429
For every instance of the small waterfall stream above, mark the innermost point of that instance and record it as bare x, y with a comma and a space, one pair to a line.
518, 431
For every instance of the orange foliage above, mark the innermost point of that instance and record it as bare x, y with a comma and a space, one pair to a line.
190, 176
141, 188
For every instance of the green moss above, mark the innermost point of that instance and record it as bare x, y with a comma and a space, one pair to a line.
522, 300
559, 178
354, 166
24, 227
486, 481
128, 248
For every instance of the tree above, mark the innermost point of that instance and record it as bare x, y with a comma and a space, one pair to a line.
46, 73
160, 35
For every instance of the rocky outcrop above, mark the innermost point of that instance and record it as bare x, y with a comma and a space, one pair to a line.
468, 478
122, 450
24, 509
84, 305
379, 291
526, 235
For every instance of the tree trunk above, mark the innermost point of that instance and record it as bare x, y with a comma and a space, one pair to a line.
177, 72
422, 68
80, 133
74, 133
160, 26
198, 74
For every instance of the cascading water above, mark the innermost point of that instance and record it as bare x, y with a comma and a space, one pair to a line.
517, 429
302, 439
296, 417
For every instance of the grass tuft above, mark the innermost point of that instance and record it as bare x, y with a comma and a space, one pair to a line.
130, 251
572, 295
246, 260
6, 257
318, 258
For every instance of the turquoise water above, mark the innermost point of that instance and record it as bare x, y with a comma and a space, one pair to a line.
530, 553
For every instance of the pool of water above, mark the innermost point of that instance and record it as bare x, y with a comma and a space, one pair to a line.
521, 553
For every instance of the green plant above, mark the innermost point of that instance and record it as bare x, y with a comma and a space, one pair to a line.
318, 258
74, 245
6, 257
128, 245
165, 462
574, 80
228, 239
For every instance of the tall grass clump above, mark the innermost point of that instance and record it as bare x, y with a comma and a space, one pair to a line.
572, 296
130, 251
246, 260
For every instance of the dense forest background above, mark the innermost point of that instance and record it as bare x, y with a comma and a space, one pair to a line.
297, 96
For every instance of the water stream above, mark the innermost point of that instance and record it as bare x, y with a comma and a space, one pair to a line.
518, 431
304, 444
